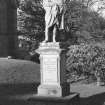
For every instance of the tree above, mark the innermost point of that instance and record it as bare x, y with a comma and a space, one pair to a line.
86, 60
81, 24
78, 19
31, 19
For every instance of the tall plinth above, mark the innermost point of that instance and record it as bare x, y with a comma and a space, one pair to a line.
53, 71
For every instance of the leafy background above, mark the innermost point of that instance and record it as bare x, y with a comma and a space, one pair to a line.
84, 35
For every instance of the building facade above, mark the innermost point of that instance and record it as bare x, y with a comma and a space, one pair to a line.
8, 24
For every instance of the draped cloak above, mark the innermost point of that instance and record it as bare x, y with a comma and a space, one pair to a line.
54, 13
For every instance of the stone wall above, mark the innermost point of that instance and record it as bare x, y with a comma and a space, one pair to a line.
8, 36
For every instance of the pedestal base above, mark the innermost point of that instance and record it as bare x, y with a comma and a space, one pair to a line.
72, 99
54, 90
48, 90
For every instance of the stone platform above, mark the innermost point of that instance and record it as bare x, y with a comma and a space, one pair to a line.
72, 99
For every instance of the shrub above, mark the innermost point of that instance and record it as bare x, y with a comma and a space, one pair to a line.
86, 60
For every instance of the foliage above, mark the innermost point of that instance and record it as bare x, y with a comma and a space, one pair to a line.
87, 60
30, 26
30, 19
80, 22
83, 23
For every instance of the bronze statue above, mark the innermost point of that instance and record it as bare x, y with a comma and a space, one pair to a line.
54, 17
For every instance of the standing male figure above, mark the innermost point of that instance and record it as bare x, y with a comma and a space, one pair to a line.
54, 17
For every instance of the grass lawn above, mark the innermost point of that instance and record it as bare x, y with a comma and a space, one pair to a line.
18, 71
18, 77
90, 94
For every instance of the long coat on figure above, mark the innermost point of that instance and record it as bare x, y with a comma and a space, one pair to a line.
54, 16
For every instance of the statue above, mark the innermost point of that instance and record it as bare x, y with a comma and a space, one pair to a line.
54, 17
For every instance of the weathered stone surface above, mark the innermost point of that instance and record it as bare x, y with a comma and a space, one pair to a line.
53, 74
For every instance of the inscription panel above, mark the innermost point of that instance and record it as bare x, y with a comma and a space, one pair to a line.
50, 74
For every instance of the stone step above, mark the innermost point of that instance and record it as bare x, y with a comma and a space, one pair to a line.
33, 99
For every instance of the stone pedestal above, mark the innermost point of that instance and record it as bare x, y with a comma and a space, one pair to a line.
52, 69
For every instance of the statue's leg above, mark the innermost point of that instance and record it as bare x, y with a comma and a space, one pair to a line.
46, 34
54, 33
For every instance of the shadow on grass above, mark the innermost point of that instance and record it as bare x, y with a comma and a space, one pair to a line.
98, 99
10, 90
21, 88
18, 94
